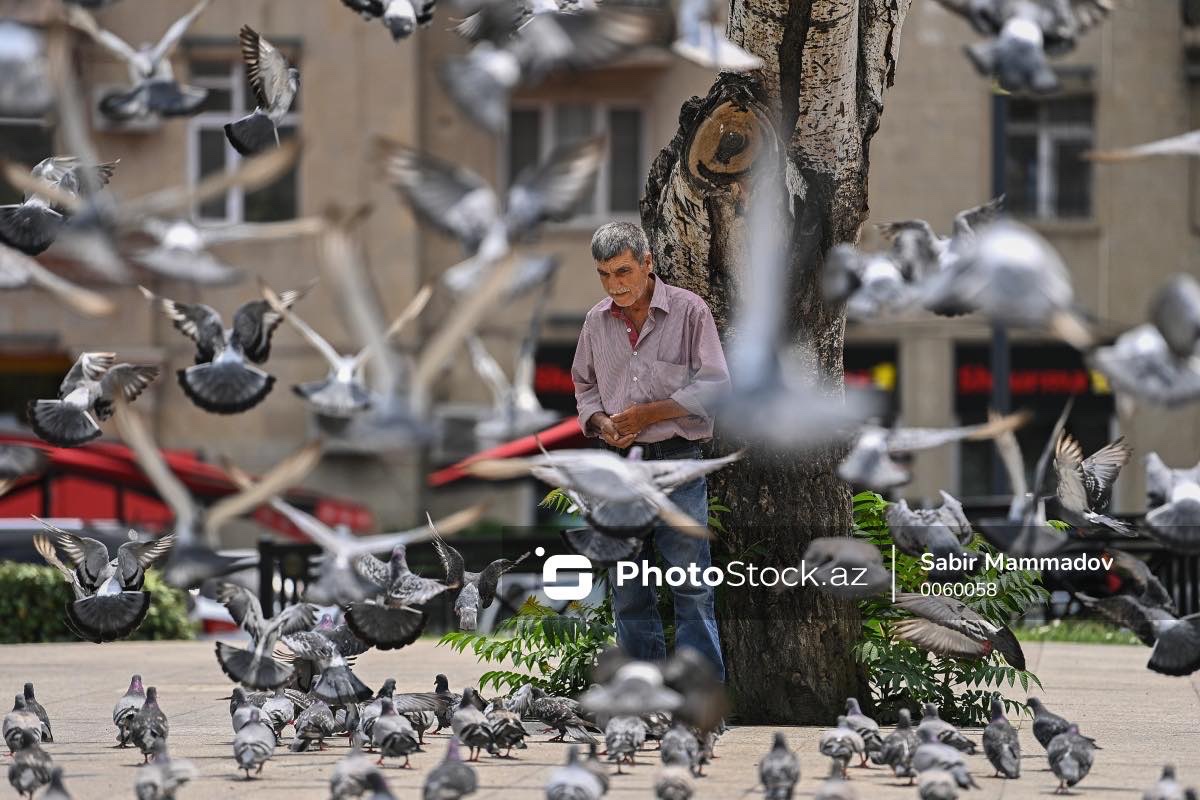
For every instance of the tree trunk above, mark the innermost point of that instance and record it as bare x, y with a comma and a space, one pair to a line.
817, 100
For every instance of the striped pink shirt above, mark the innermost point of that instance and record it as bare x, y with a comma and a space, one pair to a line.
677, 355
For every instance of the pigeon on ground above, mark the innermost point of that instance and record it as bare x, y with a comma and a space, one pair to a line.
1173, 503
25, 83
21, 727
943, 732
18, 271
274, 82
127, 708
349, 775
1001, 744
341, 394
675, 783
506, 729
1166, 787
865, 727
239, 714
369, 712
19, 461
153, 87
163, 776
256, 667
222, 381
1014, 277
1022, 33
462, 204
779, 771
623, 737
254, 744
400, 17
451, 779
314, 724
841, 744
932, 754
1175, 641
870, 465
1071, 756
898, 747
279, 711
949, 627
564, 715
573, 781
85, 398
847, 567
470, 725
447, 702
1185, 144
681, 748
836, 786
33, 705
392, 735
56, 790
327, 649
30, 769
395, 621
149, 725
937, 784
110, 602
1085, 484
1046, 725
32, 225
919, 252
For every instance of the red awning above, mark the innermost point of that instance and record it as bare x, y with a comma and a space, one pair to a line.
565, 434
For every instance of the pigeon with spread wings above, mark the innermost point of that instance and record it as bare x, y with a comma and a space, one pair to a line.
394, 620
328, 651
86, 397
32, 225
275, 83
919, 251
478, 588
400, 17
18, 461
255, 667
1085, 484
948, 627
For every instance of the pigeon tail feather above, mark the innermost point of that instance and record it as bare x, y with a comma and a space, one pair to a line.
229, 388
257, 673
385, 628
107, 617
29, 228
251, 134
59, 424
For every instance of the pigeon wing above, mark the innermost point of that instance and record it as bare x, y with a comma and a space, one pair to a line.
198, 322
970, 220
255, 322
266, 68
553, 189
936, 638
127, 380
244, 607
372, 569
1105, 464
1068, 465
89, 366
174, 34
452, 560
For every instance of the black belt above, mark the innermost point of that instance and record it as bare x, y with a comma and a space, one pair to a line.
656, 451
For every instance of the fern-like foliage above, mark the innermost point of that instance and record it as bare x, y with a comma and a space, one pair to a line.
903, 676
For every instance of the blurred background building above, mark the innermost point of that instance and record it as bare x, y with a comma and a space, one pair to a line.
947, 142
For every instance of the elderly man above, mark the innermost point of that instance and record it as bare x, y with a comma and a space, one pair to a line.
647, 367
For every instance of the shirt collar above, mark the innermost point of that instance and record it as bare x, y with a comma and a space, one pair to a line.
658, 298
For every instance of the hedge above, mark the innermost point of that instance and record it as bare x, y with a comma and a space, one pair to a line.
33, 599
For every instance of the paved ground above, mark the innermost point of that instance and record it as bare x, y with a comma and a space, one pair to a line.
1140, 718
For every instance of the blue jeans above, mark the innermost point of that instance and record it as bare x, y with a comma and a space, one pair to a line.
635, 606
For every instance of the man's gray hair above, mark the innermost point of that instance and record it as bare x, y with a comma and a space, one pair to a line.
614, 238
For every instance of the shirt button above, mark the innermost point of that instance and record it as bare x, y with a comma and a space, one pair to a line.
629, 330
635, 352
635, 378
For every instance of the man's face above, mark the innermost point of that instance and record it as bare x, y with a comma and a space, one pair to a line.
625, 278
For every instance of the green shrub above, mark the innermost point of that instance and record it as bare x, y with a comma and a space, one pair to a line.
903, 676
33, 599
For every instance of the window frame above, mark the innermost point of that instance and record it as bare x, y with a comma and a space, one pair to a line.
42, 122
237, 85
1047, 133
600, 111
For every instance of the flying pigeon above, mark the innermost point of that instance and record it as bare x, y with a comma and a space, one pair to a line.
163, 776
516, 410
18, 461
1022, 33
30, 769
898, 747
1071, 756
33, 705
313, 725
110, 602
127, 708
1085, 484
920, 252
847, 567
603, 549
1185, 144
18, 271
459, 203
841, 744
149, 725
1175, 641
943, 732
470, 725
573, 781
21, 726
478, 588
1175, 311
400, 17
338, 685
937, 784
779, 771
1173, 503
1140, 365
349, 775
1001, 744
256, 667
274, 82
865, 727
949, 627
623, 737
222, 381
635, 688
85, 398
941, 531
932, 754
153, 87
396, 621
870, 286
393, 735
1167, 787
25, 86
254, 744
506, 729
32, 225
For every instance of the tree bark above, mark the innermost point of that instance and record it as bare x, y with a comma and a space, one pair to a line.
817, 101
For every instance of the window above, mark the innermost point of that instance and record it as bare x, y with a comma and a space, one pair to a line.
229, 97
1045, 176
23, 141
534, 130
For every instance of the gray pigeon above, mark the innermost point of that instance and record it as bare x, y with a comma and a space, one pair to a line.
920, 252
1166, 787
160, 779
241, 712
674, 783
400, 17
33, 705
506, 729
312, 726
127, 708
836, 787
25, 87
937, 784
396, 621
393, 735
635, 688
1175, 641
943, 732
274, 82
1085, 484
149, 725
85, 398
872, 286
327, 650
470, 725
847, 567
841, 744
369, 712
931, 754
941, 531
1046, 725
1001, 744
1071, 757
349, 775
279, 710
254, 744
224, 379
256, 667
623, 737
30, 769
949, 627
1140, 366
1175, 311
680, 748
1173, 503
451, 779
21, 727
562, 714
898, 747
32, 225
865, 727
56, 790
779, 771
478, 588
573, 781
